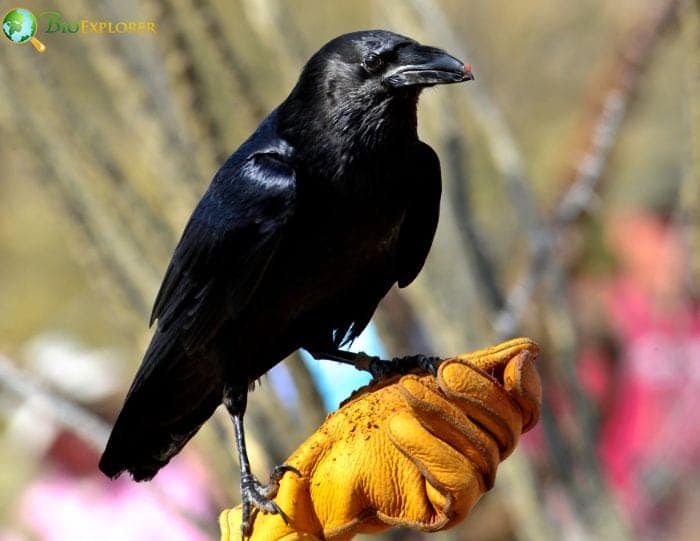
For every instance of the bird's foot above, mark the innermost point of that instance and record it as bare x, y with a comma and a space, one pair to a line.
255, 495
380, 368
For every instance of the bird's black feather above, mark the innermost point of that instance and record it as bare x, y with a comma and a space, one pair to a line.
421, 220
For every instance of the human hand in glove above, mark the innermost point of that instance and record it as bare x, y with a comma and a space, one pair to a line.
414, 451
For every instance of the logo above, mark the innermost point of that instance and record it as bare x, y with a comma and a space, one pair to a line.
19, 26
55, 23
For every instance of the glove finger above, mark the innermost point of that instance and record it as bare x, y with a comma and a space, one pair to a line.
522, 382
229, 522
453, 484
268, 527
512, 362
483, 399
497, 356
451, 425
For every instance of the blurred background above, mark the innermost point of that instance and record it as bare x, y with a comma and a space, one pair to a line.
571, 214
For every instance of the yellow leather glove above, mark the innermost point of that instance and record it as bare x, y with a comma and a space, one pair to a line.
413, 451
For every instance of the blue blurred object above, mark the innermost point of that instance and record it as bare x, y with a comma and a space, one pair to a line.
336, 380
283, 384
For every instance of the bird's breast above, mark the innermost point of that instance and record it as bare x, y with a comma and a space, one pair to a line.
336, 258
332, 251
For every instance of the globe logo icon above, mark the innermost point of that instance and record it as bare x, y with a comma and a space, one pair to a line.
19, 26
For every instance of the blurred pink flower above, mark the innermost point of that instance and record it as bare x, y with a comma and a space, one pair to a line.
59, 506
650, 440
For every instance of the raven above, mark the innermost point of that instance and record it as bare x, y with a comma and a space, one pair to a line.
300, 234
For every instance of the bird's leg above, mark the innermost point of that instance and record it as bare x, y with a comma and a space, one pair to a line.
378, 367
253, 493
360, 360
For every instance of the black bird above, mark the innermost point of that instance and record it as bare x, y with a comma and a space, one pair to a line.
300, 234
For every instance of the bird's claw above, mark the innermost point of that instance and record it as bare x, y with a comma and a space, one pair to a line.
255, 495
403, 365
429, 364
366, 363
278, 472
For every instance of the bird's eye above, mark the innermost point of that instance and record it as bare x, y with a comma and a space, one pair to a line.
372, 62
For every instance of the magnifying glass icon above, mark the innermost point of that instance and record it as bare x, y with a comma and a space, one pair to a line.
19, 26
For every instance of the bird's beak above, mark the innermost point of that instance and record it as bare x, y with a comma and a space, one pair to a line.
427, 66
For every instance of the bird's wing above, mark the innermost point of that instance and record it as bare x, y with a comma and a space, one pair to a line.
421, 219
217, 265
225, 248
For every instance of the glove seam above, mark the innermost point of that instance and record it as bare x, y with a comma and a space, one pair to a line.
486, 478
430, 479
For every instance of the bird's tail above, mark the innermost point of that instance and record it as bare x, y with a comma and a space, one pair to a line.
172, 395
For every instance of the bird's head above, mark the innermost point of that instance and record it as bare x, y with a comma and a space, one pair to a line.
365, 79
383, 63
